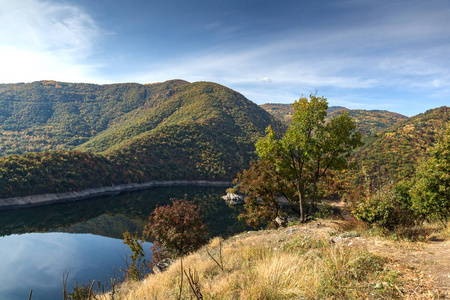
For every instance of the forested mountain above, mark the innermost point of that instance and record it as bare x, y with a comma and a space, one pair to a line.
394, 154
197, 131
367, 121
133, 133
393, 143
49, 115
279, 110
124, 133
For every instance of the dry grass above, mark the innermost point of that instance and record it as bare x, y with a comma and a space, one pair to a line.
445, 232
283, 264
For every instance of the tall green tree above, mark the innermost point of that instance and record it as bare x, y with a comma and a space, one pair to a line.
431, 191
310, 147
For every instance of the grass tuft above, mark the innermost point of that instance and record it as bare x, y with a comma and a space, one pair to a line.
273, 265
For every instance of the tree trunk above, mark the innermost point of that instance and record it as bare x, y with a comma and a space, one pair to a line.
300, 200
313, 198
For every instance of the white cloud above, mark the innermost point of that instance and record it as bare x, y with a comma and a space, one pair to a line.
44, 40
402, 47
264, 79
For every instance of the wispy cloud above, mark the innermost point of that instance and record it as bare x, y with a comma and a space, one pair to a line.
382, 46
44, 40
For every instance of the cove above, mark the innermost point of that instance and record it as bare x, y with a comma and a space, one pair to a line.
38, 245
38, 261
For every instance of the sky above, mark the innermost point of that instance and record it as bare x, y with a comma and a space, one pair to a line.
361, 54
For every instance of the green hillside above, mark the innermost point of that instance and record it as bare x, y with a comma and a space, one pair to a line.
174, 130
367, 122
202, 131
395, 153
279, 110
49, 115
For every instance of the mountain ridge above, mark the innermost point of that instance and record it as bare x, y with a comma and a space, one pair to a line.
174, 131
368, 122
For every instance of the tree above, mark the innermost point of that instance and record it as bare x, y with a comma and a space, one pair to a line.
262, 184
431, 191
310, 147
176, 229
136, 266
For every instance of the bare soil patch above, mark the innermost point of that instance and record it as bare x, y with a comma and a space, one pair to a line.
424, 265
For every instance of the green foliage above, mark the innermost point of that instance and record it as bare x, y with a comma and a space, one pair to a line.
136, 266
324, 211
81, 292
49, 115
262, 184
166, 131
176, 229
54, 172
388, 207
368, 122
310, 148
394, 154
431, 191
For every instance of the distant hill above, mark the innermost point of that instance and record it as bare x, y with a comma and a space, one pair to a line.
279, 110
367, 122
394, 153
124, 133
49, 115
199, 131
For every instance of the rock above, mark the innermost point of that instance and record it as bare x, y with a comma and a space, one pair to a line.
233, 199
291, 230
162, 265
281, 221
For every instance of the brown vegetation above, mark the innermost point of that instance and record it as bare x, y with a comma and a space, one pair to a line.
311, 261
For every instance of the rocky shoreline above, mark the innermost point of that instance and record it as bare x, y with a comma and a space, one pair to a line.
47, 199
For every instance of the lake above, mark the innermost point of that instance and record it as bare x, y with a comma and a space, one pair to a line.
39, 245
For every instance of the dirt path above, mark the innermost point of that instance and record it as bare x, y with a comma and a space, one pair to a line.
429, 261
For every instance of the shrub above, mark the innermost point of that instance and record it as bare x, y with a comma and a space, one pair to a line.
431, 191
136, 267
388, 207
177, 229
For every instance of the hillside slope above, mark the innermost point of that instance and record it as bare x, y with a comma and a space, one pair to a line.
49, 115
395, 153
368, 122
187, 131
196, 131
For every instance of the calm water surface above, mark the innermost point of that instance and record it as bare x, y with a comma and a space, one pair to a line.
39, 245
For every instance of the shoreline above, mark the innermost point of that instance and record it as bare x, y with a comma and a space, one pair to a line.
56, 198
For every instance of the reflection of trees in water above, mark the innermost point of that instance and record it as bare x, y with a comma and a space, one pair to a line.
111, 216
220, 218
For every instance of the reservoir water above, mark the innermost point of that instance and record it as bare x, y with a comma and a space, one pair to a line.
39, 245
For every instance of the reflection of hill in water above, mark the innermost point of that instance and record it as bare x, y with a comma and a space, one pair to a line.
106, 225
111, 216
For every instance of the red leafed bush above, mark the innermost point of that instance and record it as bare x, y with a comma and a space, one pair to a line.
176, 229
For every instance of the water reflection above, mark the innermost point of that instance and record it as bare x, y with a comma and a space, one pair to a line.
111, 216
38, 261
38, 245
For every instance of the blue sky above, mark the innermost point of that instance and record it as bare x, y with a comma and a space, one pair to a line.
361, 54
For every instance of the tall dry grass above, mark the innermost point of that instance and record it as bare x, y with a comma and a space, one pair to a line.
270, 265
